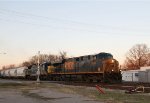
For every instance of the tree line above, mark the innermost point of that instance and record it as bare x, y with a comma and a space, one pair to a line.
50, 58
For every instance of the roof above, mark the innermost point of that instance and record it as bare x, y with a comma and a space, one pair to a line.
141, 69
130, 71
145, 68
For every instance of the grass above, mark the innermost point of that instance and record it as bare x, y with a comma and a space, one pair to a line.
110, 96
11, 85
116, 97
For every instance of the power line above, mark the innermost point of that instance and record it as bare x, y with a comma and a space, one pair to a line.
35, 24
64, 28
21, 14
38, 16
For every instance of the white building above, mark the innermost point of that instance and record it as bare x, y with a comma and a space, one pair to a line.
130, 76
148, 79
142, 75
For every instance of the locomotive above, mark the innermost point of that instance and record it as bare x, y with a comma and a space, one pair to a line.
100, 67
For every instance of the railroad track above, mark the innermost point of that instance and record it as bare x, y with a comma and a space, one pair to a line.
121, 86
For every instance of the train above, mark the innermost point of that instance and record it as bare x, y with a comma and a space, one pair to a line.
101, 67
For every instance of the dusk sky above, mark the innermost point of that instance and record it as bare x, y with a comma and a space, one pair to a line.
78, 27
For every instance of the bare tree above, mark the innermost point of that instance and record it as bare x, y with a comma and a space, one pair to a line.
42, 58
137, 57
148, 59
51, 58
26, 63
63, 55
33, 59
4, 67
11, 66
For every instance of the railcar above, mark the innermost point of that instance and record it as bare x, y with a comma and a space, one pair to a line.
100, 67
31, 73
13, 73
2, 72
5, 73
19, 72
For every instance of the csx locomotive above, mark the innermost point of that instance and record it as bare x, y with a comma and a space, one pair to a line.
100, 67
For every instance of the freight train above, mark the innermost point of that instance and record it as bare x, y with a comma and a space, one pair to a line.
101, 67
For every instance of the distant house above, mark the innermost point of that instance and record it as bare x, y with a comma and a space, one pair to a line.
130, 76
142, 75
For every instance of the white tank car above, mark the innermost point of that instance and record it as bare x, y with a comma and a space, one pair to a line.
21, 71
2, 73
13, 72
7, 73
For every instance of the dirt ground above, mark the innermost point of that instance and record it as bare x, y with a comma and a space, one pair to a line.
41, 96
30, 92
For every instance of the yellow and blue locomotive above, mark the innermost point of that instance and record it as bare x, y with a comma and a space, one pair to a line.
101, 67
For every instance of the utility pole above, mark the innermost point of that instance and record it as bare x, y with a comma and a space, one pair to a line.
38, 71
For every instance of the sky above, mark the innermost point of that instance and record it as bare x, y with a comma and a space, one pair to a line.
79, 27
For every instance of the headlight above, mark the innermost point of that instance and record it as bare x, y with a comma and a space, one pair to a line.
112, 61
112, 70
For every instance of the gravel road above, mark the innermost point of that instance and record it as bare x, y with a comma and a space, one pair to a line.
27, 94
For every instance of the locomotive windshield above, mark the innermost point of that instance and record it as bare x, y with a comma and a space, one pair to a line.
104, 56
